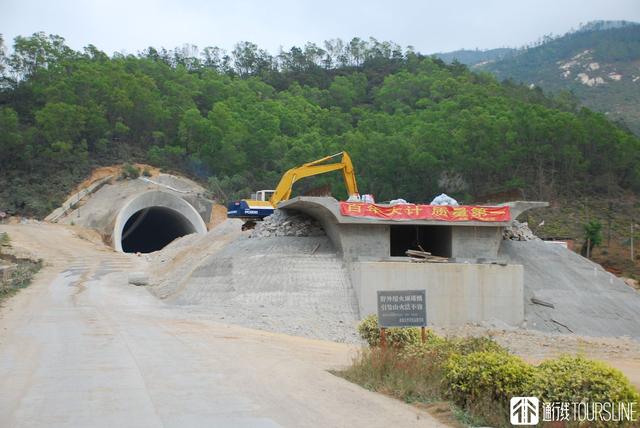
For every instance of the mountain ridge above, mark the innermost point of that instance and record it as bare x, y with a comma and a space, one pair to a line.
599, 63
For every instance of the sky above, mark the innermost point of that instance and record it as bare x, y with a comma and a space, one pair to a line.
130, 26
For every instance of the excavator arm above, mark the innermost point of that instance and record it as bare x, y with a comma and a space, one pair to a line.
285, 186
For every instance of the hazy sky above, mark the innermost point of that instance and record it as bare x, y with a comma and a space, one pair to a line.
429, 25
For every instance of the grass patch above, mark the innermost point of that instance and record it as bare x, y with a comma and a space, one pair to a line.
15, 273
130, 172
474, 378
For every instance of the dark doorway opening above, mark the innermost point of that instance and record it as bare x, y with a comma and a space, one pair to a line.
151, 229
433, 239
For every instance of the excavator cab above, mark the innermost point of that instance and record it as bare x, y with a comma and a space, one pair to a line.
262, 195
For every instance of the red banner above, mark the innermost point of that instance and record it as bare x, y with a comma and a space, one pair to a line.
425, 212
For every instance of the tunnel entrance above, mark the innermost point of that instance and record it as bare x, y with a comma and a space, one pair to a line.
433, 239
152, 228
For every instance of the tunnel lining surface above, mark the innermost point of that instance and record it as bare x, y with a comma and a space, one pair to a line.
155, 217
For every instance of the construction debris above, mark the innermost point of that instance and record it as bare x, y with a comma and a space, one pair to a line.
398, 202
444, 199
541, 302
425, 257
281, 223
519, 232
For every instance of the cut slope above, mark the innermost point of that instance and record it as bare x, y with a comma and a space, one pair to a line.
587, 299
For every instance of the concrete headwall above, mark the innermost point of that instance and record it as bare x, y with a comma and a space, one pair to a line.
467, 289
97, 206
358, 237
156, 198
457, 293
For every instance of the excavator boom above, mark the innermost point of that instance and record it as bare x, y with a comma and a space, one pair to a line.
284, 188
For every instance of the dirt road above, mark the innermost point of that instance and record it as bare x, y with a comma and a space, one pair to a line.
82, 348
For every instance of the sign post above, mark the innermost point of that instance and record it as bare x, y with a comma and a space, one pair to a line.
401, 308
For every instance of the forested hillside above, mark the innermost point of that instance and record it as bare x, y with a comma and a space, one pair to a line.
413, 125
599, 63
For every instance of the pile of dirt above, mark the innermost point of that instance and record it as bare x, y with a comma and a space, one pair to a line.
218, 216
633, 283
567, 293
112, 171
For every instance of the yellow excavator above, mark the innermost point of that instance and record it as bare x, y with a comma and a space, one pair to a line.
263, 202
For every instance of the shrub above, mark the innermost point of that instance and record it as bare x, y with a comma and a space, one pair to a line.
477, 374
396, 337
146, 172
488, 376
575, 379
5, 241
468, 345
440, 349
129, 171
435, 349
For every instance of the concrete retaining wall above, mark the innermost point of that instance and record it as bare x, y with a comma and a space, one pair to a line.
474, 243
457, 293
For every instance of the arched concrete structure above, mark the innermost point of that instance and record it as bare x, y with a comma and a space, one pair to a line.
176, 213
358, 237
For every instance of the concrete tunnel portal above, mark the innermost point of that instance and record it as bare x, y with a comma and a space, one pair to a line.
149, 221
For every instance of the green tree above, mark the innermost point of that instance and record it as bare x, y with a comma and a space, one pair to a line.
60, 126
11, 139
194, 131
346, 92
592, 237
37, 52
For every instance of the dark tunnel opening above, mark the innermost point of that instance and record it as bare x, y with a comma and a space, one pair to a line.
151, 229
433, 239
